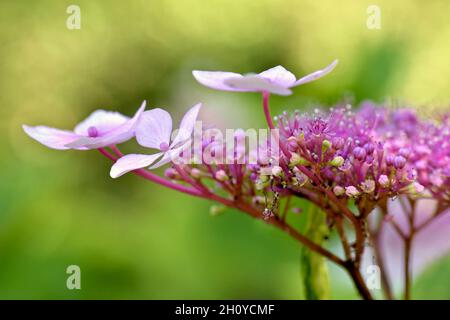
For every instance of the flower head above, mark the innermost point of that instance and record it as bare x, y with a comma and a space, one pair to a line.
276, 80
102, 128
154, 131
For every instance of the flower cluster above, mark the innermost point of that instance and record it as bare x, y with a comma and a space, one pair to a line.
330, 158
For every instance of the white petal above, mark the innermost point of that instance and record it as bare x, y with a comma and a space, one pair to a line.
51, 137
102, 120
132, 162
83, 142
154, 128
116, 135
317, 74
187, 125
279, 76
256, 83
172, 155
216, 79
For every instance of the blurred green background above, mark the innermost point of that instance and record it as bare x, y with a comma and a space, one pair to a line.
136, 240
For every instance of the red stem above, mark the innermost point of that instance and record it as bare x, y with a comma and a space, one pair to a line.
267, 110
153, 177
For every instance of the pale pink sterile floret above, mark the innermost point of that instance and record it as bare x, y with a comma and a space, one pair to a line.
101, 129
276, 80
429, 244
154, 131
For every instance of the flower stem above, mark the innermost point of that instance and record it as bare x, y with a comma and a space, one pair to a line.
267, 110
358, 280
407, 271
152, 177
408, 244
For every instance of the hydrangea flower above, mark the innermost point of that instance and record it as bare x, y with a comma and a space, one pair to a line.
351, 165
102, 128
154, 131
276, 80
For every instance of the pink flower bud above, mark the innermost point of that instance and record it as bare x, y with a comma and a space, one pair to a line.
338, 190
383, 180
351, 191
277, 171
221, 175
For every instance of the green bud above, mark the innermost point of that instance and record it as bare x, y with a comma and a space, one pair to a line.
326, 145
337, 161
261, 185
264, 178
216, 210
296, 159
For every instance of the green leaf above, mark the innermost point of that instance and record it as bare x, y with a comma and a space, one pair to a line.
314, 269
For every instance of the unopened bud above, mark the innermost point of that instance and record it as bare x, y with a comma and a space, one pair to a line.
359, 153
215, 210
195, 173
301, 178
221, 175
261, 185
418, 187
259, 200
383, 180
338, 190
351, 191
277, 171
399, 162
414, 188
337, 161
325, 145
171, 173
292, 143
368, 186
296, 159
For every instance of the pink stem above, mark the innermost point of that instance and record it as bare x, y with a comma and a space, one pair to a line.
191, 181
266, 109
107, 154
151, 176
157, 179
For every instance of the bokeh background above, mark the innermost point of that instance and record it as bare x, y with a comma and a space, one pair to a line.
136, 240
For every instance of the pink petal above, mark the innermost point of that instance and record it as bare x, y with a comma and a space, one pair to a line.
116, 135
428, 246
216, 79
154, 128
279, 76
187, 125
317, 74
256, 83
132, 162
51, 137
431, 243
